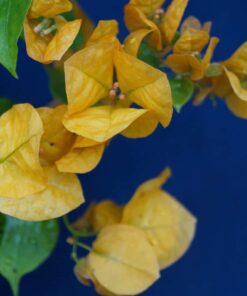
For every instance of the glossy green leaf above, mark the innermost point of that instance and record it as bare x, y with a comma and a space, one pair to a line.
12, 14
57, 83
182, 92
24, 246
5, 105
149, 55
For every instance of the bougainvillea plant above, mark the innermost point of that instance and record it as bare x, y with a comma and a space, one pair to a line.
101, 88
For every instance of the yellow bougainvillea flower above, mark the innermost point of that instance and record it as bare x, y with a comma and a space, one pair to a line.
140, 27
231, 84
46, 47
168, 226
20, 171
56, 140
190, 64
62, 194
83, 156
48, 8
97, 111
146, 19
122, 261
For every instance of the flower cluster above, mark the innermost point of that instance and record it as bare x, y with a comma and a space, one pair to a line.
134, 242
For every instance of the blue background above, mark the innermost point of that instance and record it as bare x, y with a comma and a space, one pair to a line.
207, 150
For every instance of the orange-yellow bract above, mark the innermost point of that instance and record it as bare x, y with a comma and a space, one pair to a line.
122, 261
29, 191
83, 156
62, 194
48, 40
20, 171
168, 226
95, 111
236, 74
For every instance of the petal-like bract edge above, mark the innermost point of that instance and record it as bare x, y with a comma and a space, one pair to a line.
20, 171
81, 160
103, 29
237, 106
133, 41
103, 122
136, 20
89, 75
122, 260
236, 85
56, 140
145, 86
48, 8
191, 41
62, 41
169, 227
173, 18
238, 61
142, 127
62, 194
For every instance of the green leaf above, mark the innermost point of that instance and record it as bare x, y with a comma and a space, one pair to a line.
57, 83
149, 55
12, 14
182, 92
24, 246
5, 105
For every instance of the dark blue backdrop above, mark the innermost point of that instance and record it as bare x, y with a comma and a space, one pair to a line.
207, 150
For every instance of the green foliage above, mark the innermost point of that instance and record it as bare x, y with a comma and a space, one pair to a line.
182, 92
149, 55
5, 105
12, 14
24, 246
57, 83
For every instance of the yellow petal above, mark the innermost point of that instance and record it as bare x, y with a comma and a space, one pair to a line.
237, 106
173, 18
48, 8
46, 49
103, 122
81, 160
122, 261
238, 61
62, 194
56, 140
103, 29
144, 85
36, 45
186, 64
142, 127
134, 40
136, 20
148, 7
238, 89
190, 22
20, 171
105, 213
89, 75
62, 41
191, 41
168, 226
209, 52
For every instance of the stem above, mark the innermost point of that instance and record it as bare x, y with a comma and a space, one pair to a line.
74, 232
84, 246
